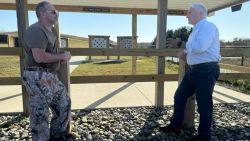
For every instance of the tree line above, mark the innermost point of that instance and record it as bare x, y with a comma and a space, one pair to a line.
184, 32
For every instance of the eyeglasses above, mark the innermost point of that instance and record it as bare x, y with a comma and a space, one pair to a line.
55, 12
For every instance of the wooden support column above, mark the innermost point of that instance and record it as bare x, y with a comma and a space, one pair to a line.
58, 36
189, 116
22, 25
134, 41
9, 40
108, 47
64, 72
160, 43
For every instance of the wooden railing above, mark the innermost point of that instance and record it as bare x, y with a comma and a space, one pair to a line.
226, 52
189, 116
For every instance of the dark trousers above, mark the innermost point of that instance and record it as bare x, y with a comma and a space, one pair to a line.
199, 80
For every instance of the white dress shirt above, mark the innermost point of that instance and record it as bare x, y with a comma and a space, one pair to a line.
203, 44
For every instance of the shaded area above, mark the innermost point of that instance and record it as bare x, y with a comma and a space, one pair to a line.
9, 97
107, 97
228, 96
109, 61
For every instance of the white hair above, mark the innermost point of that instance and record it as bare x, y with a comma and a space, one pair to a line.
200, 7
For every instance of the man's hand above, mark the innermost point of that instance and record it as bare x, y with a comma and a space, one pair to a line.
182, 55
174, 43
66, 56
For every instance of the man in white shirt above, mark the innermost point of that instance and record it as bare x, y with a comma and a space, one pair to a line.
202, 54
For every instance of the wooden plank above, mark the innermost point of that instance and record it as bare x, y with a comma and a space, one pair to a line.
10, 81
11, 51
235, 52
226, 52
225, 76
122, 52
22, 24
229, 4
125, 78
64, 73
134, 41
64, 77
122, 78
160, 43
189, 115
108, 44
91, 9
235, 67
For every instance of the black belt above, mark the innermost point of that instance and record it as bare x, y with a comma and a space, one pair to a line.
203, 64
39, 69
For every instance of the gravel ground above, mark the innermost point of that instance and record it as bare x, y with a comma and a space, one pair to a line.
231, 123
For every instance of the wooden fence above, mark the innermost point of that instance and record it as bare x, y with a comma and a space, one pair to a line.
226, 52
189, 116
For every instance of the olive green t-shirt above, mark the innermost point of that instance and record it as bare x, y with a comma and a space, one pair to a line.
37, 36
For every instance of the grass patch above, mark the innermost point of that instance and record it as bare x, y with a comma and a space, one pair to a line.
145, 65
242, 85
9, 66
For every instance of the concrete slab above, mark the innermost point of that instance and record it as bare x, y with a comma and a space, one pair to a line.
106, 95
11, 99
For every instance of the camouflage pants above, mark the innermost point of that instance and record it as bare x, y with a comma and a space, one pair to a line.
46, 91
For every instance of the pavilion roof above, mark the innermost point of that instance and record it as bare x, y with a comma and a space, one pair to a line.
175, 7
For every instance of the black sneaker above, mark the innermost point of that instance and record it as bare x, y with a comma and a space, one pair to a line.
69, 137
170, 129
56, 138
63, 137
198, 138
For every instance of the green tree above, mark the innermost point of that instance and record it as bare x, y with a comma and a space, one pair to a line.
182, 32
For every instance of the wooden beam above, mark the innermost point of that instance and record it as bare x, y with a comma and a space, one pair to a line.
7, 6
134, 41
125, 78
160, 43
235, 67
225, 76
92, 9
22, 24
226, 52
189, 115
10, 81
229, 4
122, 52
235, 52
64, 73
122, 78
17, 51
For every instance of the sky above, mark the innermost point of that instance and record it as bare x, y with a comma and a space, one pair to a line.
230, 24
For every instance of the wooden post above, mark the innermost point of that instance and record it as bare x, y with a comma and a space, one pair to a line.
108, 47
242, 60
22, 24
64, 76
67, 42
8, 36
90, 39
160, 43
189, 116
134, 41
58, 36
64, 73
118, 46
